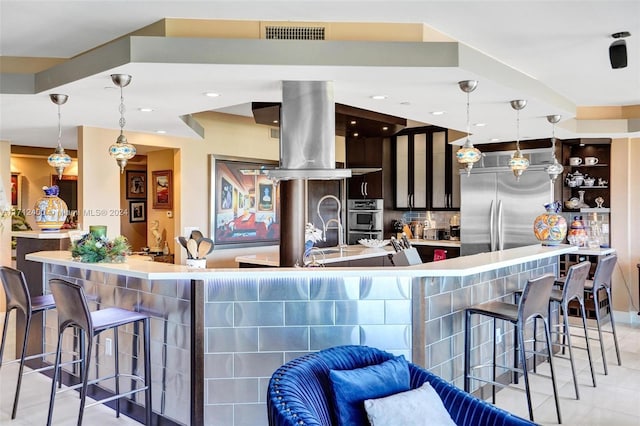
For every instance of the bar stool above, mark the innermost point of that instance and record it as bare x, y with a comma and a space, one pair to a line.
602, 281
18, 297
573, 289
73, 311
534, 303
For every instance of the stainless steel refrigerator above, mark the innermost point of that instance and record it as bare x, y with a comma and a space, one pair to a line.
497, 212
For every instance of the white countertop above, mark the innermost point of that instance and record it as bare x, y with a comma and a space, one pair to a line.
51, 235
596, 251
353, 252
459, 266
437, 243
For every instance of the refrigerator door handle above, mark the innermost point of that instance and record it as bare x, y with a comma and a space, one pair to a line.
492, 233
500, 227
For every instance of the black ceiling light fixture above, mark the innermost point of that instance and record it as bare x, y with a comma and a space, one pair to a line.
618, 50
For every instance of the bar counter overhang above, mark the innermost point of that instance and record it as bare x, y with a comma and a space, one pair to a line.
218, 334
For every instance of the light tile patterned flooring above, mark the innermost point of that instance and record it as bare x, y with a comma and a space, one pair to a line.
614, 402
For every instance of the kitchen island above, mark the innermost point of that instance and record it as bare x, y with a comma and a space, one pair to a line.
218, 334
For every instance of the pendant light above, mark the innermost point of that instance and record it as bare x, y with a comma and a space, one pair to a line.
122, 151
468, 154
59, 160
518, 163
554, 169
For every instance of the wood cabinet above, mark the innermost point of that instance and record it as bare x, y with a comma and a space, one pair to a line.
426, 252
426, 174
583, 148
365, 153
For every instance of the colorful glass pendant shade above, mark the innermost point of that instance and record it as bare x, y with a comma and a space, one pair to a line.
518, 162
468, 154
59, 160
554, 169
122, 151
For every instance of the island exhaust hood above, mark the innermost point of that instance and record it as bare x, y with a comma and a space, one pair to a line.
307, 133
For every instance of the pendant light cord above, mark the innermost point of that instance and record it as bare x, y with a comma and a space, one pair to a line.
122, 110
59, 128
518, 130
468, 119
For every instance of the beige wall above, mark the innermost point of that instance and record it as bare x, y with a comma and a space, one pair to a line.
625, 224
5, 226
35, 173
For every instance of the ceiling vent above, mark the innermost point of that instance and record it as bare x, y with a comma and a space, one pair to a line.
294, 33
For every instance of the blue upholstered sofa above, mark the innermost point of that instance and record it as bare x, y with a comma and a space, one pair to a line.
299, 392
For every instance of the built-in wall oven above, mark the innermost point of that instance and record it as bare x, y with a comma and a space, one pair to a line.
364, 219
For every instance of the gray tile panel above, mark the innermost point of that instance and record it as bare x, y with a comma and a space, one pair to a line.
360, 312
283, 338
257, 364
309, 313
326, 337
248, 314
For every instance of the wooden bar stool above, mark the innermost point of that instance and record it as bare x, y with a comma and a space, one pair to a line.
73, 312
534, 303
17, 297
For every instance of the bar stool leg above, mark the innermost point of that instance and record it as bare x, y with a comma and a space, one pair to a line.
553, 375
583, 311
117, 369
516, 354
56, 371
4, 335
147, 371
21, 369
566, 332
596, 305
525, 373
613, 324
85, 380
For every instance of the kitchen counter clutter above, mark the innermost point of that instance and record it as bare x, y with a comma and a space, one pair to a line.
252, 319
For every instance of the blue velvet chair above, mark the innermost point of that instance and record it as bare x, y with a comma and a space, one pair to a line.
299, 392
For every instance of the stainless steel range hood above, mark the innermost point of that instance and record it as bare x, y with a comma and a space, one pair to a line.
307, 132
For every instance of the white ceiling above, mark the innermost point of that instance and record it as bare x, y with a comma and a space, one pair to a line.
561, 45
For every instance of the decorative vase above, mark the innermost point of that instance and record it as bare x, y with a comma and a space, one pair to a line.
550, 228
308, 245
578, 232
50, 211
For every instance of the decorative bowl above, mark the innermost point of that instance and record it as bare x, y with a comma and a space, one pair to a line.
373, 243
572, 203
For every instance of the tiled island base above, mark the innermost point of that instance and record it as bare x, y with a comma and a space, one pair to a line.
218, 335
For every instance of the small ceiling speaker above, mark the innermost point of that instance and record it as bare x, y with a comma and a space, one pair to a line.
618, 50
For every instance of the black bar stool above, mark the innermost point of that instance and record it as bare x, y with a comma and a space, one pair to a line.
602, 281
73, 312
17, 297
534, 303
573, 289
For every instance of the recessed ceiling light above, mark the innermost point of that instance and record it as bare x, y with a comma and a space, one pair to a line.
495, 139
353, 122
437, 112
355, 135
480, 124
581, 144
161, 132
275, 121
378, 97
385, 128
212, 94
145, 109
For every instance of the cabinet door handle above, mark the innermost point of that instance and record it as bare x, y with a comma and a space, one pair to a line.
362, 188
366, 189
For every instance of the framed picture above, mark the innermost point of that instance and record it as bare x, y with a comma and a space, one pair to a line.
15, 190
243, 203
266, 197
162, 183
136, 184
137, 211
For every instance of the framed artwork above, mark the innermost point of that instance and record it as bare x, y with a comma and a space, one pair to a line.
15, 190
266, 197
137, 211
136, 184
241, 216
162, 184
226, 195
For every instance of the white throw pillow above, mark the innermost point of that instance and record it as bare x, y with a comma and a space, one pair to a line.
417, 407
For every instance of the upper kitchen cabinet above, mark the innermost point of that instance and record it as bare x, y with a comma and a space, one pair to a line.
365, 159
426, 174
587, 173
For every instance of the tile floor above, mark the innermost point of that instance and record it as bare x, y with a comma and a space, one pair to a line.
614, 402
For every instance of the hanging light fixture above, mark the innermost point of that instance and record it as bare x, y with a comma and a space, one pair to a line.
554, 169
468, 154
122, 151
518, 163
59, 160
